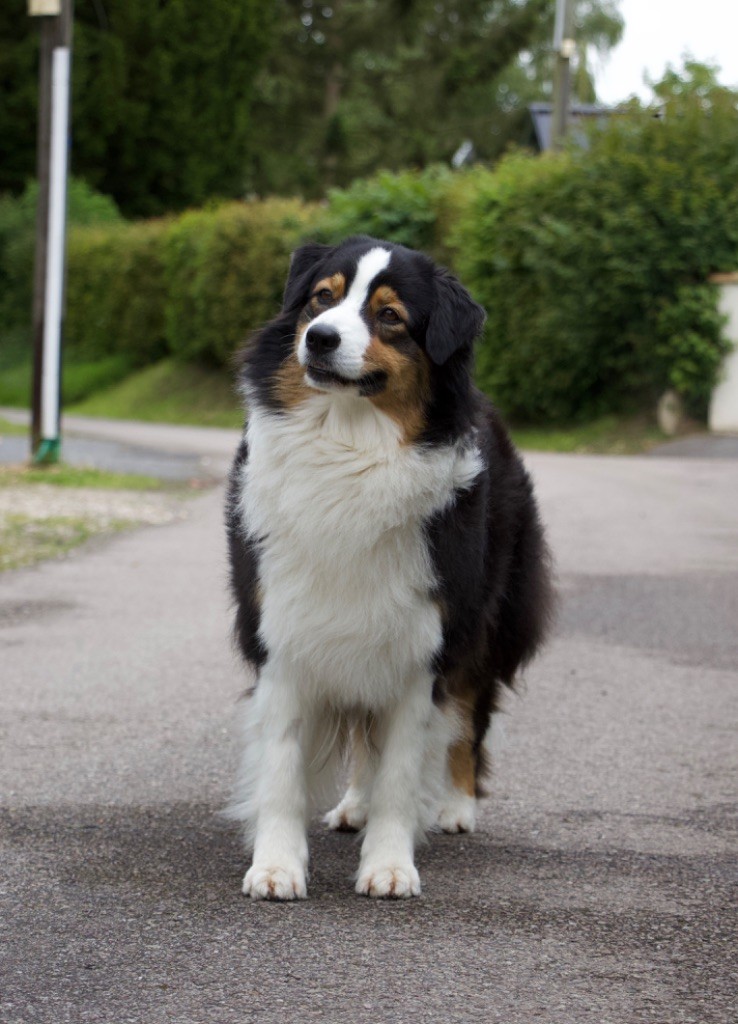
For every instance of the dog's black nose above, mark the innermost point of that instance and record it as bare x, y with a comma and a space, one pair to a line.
322, 338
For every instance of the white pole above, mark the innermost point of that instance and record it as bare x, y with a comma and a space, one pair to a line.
53, 309
559, 24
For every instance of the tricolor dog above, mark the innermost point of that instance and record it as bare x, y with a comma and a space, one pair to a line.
387, 562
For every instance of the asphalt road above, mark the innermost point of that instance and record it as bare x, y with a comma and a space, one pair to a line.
600, 887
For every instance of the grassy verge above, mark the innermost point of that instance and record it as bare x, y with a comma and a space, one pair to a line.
25, 540
609, 435
76, 476
169, 392
39, 522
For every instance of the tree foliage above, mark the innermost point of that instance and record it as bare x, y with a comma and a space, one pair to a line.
176, 101
161, 97
357, 85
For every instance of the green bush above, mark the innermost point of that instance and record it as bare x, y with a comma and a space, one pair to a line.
589, 263
689, 344
400, 207
592, 264
17, 241
225, 273
116, 294
192, 286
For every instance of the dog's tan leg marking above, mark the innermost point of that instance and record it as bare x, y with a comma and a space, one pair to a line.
458, 806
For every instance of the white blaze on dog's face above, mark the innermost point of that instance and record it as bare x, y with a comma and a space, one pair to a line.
341, 335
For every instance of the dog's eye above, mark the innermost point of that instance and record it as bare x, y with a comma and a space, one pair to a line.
324, 296
389, 316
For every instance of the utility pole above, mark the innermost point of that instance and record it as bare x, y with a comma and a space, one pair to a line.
52, 167
564, 47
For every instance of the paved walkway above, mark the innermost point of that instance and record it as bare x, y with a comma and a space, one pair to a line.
699, 446
128, 446
599, 888
203, 453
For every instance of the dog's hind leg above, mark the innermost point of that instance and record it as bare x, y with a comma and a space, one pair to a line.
458, 805
351, 813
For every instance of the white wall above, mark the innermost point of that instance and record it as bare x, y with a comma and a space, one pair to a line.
724, 404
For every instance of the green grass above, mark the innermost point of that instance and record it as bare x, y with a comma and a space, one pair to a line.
609, 435
76, 476
169, 392
25, 541
79, 380
8, 429
172, 392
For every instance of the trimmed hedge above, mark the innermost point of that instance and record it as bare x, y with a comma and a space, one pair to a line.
419, 209
192, 286
116, 293
402, 208
593, 265
225, 270
17, 240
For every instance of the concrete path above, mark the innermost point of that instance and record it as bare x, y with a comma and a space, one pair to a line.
129, 446
600, 887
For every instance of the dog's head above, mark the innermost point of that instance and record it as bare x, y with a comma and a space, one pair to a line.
374, 320
363, 303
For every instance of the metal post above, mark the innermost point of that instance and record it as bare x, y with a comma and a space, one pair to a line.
52, 169
564, 47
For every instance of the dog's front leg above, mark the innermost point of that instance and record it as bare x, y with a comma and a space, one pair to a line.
280, 857
387, 867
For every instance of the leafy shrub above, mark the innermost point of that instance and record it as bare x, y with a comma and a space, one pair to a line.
225, 273
589, 263
400, 207
17, 241
192, 286
116, 293
689, 344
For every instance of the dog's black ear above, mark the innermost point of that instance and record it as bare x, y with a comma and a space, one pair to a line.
456, 319
302, 265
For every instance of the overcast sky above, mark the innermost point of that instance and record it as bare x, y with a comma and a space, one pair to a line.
658, 32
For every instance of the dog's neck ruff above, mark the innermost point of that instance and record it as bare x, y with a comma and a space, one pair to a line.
337, 505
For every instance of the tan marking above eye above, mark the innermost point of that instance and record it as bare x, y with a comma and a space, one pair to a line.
336, 285
386, 297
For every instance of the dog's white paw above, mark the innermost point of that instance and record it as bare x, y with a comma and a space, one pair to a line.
397, 881
275, 883
348, 816
458, 813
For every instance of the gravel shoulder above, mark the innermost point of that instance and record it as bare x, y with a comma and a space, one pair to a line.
40, 521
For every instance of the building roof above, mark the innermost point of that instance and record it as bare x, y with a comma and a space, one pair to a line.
542, 116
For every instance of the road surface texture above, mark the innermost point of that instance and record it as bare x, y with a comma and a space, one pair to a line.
600, 886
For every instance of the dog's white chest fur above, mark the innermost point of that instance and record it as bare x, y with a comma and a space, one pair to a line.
337, 506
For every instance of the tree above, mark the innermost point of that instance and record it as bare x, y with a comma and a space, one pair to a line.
161, 97
355, 85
